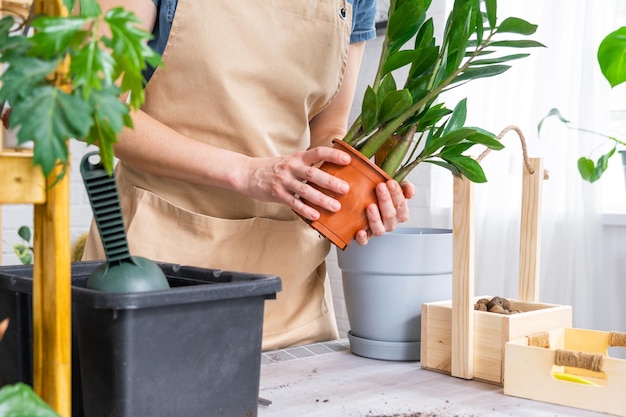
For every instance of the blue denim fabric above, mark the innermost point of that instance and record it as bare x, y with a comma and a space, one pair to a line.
363, 16
363, 24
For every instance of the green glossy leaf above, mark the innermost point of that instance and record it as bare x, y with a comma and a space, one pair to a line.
19, 400
474, 73
24, 233
498, 60
487, 139
516, 25
90, 67
23, 75
586, 168
405, 21
455, 150
612, 57
50, 117
387, 85
89, 8
457, 120
369, 110
518, 43
468, 167
492, 10
400, 59
423, 64
394, 104
54, 35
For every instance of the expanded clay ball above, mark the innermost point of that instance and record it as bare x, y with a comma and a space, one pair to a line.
497, 309
499, 305
480, 307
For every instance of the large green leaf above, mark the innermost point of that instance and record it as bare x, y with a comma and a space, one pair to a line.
474, 73
516, 25
518, 43
19, 400
50, 117
23, 75
53, 35
90, 67
394, 104
369, 109
612, 56
492, 10
404, 23
498, 60
468, 167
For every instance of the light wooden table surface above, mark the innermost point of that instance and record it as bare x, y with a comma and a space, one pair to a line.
327, 380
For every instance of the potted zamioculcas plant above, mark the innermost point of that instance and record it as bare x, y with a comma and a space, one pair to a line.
404, 124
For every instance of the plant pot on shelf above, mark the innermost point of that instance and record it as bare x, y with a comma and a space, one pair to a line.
191, 350
363, 176
385, 284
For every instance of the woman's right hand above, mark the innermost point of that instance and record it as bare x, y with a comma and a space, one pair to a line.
284, 179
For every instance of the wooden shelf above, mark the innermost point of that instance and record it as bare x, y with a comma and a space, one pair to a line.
20, 181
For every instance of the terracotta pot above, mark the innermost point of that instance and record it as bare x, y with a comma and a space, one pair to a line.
363, 176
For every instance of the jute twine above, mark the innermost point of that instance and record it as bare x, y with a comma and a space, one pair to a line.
617, 339
524, 149
540, 339
590, 361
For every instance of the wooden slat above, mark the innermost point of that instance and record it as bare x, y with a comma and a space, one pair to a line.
530, 232
52, 298
20, 181
463, 280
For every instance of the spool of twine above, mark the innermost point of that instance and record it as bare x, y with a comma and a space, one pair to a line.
540, 339
590, 361
617, 339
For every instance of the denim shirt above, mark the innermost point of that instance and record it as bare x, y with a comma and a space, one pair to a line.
363, 24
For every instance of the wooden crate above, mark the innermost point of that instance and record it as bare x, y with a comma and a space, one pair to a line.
491, 331
529, 370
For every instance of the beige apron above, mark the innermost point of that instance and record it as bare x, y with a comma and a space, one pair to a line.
264, 68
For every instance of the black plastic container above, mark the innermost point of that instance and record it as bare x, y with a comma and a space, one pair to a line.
191, 350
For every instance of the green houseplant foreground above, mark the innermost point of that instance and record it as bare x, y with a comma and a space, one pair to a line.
64, 81
409, 122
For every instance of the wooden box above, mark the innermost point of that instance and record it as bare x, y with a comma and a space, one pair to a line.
491, 332
573, 370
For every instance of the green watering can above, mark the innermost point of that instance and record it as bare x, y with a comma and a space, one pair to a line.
121, 272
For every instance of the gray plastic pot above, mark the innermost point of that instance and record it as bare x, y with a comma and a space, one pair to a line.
385, 284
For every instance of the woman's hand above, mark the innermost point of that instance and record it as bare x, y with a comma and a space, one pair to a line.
392, 209
285, 179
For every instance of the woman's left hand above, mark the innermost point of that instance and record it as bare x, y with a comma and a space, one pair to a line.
392, 209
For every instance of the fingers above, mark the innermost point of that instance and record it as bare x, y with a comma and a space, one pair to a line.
392, 209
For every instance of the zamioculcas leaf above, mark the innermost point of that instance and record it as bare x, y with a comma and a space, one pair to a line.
498, 60
369, 109
394, 104
612, 57
468, 167
518, 44
516, 25
474, 73
492, 8
24, 233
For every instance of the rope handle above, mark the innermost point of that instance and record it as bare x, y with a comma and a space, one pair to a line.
563, 357
522, 139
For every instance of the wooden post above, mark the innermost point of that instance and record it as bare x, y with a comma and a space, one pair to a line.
462, 343
52, 309
530, 232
